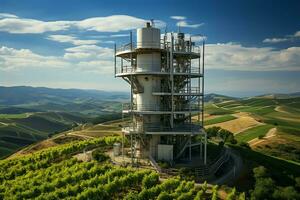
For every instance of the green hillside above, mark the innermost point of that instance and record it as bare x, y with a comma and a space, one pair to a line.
280, 113
29, 114
54, 173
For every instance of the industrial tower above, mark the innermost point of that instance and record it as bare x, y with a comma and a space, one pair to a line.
165, 73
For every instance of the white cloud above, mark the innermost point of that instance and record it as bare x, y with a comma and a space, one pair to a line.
184, 23
178, 17
71, 39
24, 58
275, 40
297, 34
7, 15
17, 25
85, 58
114, 23
119, 35
237, 57
289, 38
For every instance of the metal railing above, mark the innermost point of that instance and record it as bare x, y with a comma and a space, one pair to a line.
157, 127
133, 69
181, 91
178, 46
157, 107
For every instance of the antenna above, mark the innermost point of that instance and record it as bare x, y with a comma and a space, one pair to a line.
152, 22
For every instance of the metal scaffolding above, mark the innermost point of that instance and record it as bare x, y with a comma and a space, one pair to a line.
167, 90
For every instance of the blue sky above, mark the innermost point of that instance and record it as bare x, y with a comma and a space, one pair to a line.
252, 46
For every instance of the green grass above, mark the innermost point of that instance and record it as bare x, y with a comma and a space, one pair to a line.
212, 109
219, 119
13, 116
252, 133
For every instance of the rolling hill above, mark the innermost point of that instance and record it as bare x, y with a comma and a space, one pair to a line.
29, 114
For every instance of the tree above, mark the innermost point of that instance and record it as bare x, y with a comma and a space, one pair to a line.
263, 188
260, 172
288, 193
212, 131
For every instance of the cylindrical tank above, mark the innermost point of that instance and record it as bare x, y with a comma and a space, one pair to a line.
117, 149
148, 37
147, 101
148, 62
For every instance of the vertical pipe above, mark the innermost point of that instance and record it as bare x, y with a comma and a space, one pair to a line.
203, 49
205, 149
172, 80
201, 144
131, 103
115, 59
205, 134
190, 149
199, 86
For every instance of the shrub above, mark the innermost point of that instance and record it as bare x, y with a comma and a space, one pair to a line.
99, 155
150, 180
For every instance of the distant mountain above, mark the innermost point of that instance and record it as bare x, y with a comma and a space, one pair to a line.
280, 95
41, 95
216, 98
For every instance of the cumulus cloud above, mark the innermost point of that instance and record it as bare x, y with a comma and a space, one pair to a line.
19, 26
286, 38
71, 39
86, 58
232, 56
114, 23
178, 17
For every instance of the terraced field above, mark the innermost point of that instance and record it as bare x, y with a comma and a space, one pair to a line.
255, 117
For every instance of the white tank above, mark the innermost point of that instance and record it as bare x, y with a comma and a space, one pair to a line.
148, 37
150, 62
147, 101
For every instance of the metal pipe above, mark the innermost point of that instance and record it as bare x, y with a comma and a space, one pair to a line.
172, 80
115, 59
205, 136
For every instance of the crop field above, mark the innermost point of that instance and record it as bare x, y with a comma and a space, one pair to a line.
55, 174
255, 132
219, 119
283, 114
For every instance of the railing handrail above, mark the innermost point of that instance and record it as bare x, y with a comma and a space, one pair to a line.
157, 107
186, 47
133, 68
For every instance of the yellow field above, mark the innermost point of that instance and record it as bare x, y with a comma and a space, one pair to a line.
243, 122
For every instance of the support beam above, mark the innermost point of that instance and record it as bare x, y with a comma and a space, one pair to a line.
190, 148
205, 145
115, 59
172, 80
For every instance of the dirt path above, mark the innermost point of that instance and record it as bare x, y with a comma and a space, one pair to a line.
79, 135
4, 124
256, 141
279, 109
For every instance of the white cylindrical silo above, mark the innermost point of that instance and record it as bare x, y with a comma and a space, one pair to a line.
148, 37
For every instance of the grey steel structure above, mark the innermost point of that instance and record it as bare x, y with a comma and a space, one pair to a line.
166, 77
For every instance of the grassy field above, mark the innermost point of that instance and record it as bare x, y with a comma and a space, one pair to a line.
284, 114
14, 116
252, 133
219, 119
